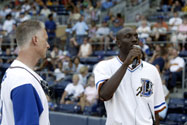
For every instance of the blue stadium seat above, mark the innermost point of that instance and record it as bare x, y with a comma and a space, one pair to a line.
62, 12
68, 78
176, 105
83, 60
168, 123
185, 106
99, 53
183, 54
90, 110
69, 108
5, 65
63, 84
50, 83
185, 95
92, 60
180, 118
59, 88
89, 60
59, 9
111, 53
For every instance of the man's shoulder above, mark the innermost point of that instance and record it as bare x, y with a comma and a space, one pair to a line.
17, 76
17, 73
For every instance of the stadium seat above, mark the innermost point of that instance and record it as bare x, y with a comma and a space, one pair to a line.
59, 89
183, 54
180, 118
63, 84
99, 53
62, 12
111, 53
90, 110
185, 95
89, 60
50, 83
176, 105
69, 108
168, 123
5, 65
185, 105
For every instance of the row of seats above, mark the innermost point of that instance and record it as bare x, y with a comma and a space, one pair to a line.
96, 109
97, 56
177, 105
59, 9
105, 53
177, 112
183, 54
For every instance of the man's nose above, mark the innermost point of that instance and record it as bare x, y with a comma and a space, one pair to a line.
48, 46
134, 39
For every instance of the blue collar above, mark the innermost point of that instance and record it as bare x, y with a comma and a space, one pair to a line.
130, 66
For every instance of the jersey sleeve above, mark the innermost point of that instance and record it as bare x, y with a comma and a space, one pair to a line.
101, 73
27, 106
159, 98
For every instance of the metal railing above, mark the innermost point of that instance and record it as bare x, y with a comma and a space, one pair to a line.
184, 79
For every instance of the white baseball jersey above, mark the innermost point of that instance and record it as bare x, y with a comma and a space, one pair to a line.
23, 99
138, 96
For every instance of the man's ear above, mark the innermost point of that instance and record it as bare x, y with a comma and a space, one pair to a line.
34, 40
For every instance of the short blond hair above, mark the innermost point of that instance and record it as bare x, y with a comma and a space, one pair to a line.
26, 30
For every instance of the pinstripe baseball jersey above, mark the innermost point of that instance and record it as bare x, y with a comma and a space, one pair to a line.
22, 97
138, 96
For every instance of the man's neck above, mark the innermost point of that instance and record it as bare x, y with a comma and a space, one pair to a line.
122, 56
27, 59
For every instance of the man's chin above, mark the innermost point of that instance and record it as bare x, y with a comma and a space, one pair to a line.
44, 56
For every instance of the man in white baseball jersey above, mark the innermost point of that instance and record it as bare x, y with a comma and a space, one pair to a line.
133, 96
22, 97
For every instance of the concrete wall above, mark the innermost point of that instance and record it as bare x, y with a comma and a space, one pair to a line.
57, 118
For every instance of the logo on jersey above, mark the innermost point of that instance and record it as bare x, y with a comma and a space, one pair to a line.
146, 89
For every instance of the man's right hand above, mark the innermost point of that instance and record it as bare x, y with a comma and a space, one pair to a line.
135, 52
